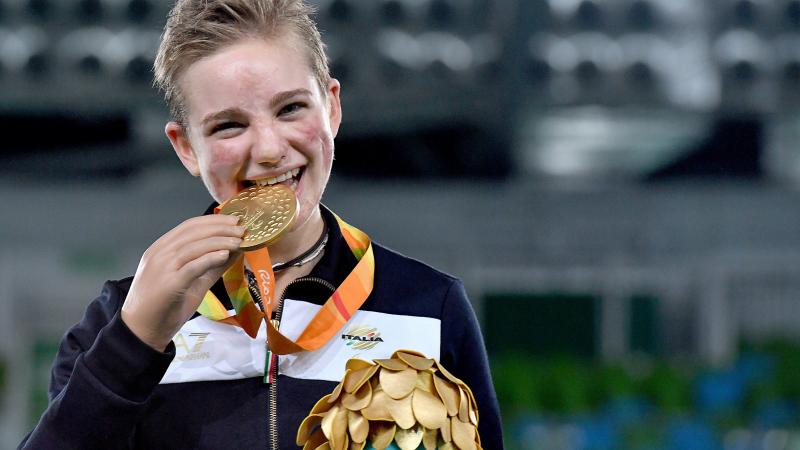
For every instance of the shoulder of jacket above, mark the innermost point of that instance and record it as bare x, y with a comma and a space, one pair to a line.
394, 257
387, 259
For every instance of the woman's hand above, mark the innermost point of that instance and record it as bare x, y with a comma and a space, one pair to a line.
175, 273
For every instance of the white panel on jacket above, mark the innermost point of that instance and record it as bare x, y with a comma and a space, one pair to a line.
367, 335
208, 351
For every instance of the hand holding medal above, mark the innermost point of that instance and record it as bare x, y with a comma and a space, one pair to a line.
175, 273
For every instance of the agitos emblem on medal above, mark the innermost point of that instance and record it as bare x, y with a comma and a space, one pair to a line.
265, 211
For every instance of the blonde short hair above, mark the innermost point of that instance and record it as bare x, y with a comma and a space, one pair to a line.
198, 28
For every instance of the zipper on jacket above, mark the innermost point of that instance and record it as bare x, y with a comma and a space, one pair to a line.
273, 387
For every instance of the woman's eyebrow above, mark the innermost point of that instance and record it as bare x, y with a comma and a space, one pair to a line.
282, 97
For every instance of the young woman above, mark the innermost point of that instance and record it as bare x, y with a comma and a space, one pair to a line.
151, 365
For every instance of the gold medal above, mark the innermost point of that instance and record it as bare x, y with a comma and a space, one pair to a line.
265, 211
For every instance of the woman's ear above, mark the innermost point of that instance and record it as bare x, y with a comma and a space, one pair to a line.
183, 148
334, 105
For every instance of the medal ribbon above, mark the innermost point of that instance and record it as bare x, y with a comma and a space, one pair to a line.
336, 311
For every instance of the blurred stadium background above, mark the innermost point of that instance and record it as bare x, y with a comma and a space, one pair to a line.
616, 181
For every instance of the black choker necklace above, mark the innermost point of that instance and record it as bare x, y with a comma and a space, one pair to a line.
308, 255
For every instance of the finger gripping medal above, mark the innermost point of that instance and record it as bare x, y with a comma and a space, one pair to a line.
266, 212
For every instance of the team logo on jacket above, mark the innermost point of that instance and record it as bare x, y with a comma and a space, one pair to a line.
362, 337
190, 352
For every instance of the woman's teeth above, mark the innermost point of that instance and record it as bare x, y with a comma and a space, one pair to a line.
280, 178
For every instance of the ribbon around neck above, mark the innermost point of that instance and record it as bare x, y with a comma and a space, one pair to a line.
336, 311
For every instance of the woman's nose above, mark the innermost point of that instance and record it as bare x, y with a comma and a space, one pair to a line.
268, 148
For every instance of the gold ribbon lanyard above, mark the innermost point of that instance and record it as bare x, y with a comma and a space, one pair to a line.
336, 311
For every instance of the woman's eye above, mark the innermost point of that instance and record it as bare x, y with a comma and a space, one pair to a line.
292, 108
224, 126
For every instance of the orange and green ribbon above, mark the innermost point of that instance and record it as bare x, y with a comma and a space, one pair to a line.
344, 302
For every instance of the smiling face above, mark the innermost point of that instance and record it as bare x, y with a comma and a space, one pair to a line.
255, 114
